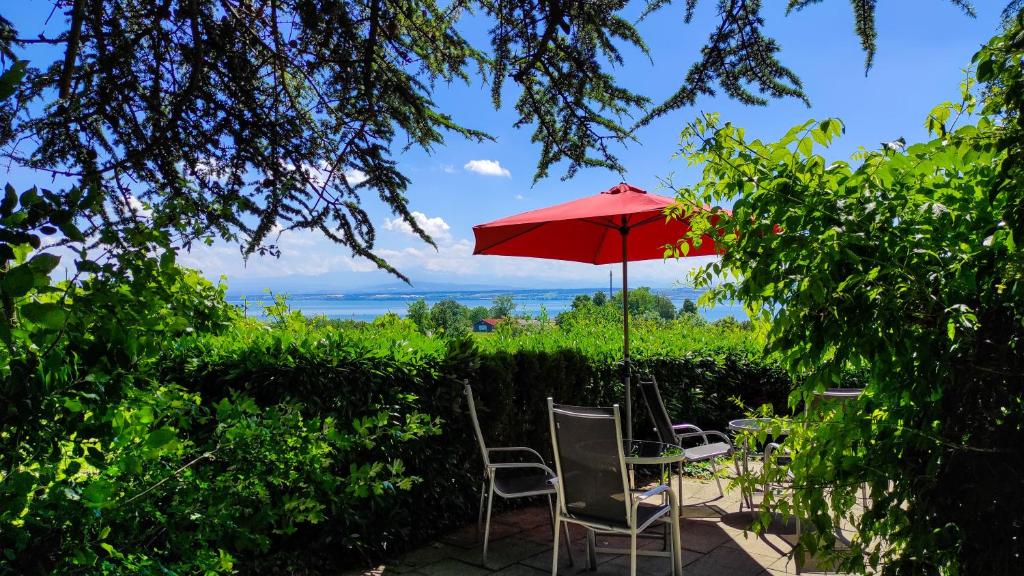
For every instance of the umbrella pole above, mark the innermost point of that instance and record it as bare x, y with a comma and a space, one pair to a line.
624, 232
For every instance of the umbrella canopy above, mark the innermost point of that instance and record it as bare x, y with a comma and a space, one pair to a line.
590, 230
621, 224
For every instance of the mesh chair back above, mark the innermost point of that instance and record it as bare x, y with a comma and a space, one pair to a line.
590, 462
657, 411
476, 424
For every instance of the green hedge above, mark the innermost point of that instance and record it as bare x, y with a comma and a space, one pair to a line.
342, 373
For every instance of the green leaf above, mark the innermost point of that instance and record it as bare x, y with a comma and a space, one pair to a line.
10, 201
18, 281
159, 438
44, 263
45, 314
986, 70
10, 79
71, 231
806, 146
98, 492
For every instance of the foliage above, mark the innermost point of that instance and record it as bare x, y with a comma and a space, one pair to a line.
908, 264
300, 444
582, 301
339, 372
450, 317
688, 307
503, 306
419, 313
643, 303
477, 313
233, 119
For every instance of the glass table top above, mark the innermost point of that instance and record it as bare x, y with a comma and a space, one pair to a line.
651, 452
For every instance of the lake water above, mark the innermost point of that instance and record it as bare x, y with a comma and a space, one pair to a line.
366, 306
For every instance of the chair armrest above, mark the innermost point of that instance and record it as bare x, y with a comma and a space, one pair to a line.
770, 448
518, 449
676, 427
705, 434
637, 498
514, 465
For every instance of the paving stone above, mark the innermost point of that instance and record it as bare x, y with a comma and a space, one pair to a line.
812, 565
468, 537
702, 511
510, 551
763, 545
430, 554
652, 565
702, 535
726, 561
542, 535
542, 561
452, 567
527, 518
522, 570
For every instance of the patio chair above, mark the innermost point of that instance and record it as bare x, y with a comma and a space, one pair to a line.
509, 479
593, 488
669, 433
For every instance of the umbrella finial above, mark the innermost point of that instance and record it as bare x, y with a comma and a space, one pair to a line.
622, 188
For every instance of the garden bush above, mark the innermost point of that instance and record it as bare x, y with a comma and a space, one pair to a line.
343, 374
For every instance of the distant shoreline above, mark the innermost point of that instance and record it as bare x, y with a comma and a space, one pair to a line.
365, 306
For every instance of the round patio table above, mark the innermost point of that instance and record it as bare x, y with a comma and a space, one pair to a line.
648, 452
750, 425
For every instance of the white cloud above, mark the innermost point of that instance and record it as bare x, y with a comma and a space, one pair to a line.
355, 176
138, 208
520, 197
304, 253
436, 227
487, 168
447, 168
210, 168
317, 175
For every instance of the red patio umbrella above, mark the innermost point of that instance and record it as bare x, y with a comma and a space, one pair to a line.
622, 224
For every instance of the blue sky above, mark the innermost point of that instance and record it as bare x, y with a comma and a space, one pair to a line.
922, 47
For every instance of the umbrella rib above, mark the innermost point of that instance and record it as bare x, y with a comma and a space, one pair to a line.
600, 245
610, 224
512, 237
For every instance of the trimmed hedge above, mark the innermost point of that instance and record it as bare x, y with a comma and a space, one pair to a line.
342, 373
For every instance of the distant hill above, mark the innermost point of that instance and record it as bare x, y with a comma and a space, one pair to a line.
401, 287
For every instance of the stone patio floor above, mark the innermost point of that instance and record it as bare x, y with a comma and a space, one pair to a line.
713, 539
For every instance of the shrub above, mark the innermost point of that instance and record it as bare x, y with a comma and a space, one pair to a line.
337, 374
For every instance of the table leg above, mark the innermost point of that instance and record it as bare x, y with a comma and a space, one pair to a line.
746, 496
591, 550
677, 550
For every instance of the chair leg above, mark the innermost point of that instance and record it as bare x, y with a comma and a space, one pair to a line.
798, 560
565, 525
632, 553
554, 552
736, 464
487, 524
480, 515
714, 470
